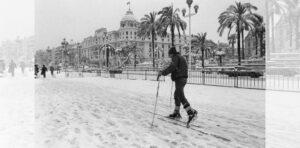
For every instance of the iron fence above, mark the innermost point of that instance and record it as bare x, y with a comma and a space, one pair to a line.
204, 77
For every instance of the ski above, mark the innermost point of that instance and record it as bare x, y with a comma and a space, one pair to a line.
187, 124
192, 127
179, 120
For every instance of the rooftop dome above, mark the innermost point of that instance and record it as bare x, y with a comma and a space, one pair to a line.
129, 16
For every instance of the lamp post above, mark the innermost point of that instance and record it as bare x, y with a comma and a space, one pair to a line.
189, 15
64, 44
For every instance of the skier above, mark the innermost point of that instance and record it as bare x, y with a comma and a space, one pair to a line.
36, 70
179, 73
52, 70
12, 66
44, 70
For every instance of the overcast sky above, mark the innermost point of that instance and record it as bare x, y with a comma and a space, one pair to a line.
77, 19
17, 19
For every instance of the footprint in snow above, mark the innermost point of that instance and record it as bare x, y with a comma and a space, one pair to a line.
99, 136
77, 130
95, 115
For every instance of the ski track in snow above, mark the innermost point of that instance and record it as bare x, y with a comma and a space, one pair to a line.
104, 112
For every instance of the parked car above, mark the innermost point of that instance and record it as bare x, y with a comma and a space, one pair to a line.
116, 70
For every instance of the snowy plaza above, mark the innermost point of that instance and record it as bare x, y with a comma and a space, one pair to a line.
105, 112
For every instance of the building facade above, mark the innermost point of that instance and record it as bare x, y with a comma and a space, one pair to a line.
126, 34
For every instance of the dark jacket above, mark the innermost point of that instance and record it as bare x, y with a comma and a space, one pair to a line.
44, 69
36, 69
51, 68
178, 68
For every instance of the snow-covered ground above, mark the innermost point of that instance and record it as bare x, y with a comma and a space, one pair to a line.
92, 112
17, 110
102, 112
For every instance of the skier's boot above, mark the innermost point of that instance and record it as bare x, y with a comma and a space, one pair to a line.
175, 115
192, 116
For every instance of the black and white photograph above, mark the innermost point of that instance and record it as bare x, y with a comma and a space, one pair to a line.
149, 74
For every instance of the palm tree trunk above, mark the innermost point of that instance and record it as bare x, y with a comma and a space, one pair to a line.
152, 36
261, 38
256, 44
107, 57
202, 51
232, 48
243, 45
239, 43
173, 35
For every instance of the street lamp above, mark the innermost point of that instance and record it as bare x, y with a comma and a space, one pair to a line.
64, 44
189, 15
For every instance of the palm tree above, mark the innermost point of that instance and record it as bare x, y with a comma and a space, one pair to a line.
258, 33
170, 19
247, 26
236, 17
199, 41
232, 41
148, 27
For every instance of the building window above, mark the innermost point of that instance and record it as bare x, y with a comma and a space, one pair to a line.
163, 46
126, 32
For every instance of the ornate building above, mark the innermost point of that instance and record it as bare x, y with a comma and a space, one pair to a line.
92, 46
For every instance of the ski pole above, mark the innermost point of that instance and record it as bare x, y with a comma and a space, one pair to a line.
171, 94
155, 103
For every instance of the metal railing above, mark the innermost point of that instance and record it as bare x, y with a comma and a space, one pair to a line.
216, 78
204, 77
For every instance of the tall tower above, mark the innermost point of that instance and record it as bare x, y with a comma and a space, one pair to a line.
128, 28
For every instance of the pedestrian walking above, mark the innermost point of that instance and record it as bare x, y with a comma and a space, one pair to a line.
36, 70
11, 68
179, 74
44, 70
52, 70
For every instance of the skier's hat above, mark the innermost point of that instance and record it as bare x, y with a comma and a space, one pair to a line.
172, 50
